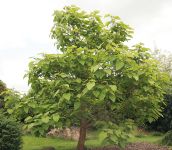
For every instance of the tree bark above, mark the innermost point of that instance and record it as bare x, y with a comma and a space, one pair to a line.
82, 135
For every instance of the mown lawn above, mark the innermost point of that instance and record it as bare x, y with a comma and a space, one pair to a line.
35, 143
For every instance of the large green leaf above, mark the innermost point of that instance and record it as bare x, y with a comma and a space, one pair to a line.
83, 92
100, 74
119, 65
29, 126
32, 105
76, 105
56, 117
102, 95
67, 96
96, 93
108, 71
112, 97
94, 68
45, 119
81, 61
26, 109
113, 87
136, 77
90, 85
10, 111
78, 80
29, 118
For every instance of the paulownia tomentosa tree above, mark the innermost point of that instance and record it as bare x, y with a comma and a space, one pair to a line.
96, 77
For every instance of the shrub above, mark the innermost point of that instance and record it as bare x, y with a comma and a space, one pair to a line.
10, 134
167, 139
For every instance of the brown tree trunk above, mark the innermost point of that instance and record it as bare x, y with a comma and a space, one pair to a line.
82, 135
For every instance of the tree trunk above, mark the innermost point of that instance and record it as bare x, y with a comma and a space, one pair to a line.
82, 135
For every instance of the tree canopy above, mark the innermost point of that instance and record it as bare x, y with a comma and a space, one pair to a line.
96, 77
74, 27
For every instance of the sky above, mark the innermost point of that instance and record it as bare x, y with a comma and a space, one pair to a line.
25, 29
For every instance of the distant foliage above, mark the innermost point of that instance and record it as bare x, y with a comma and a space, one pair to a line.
164, 123
3, 88
167, 139
11, 99
10, 134
8, 100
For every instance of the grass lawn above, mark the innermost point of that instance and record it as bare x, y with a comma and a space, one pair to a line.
35, 143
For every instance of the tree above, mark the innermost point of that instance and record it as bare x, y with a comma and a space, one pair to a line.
96, 77
165, 61
9, 100
3, 88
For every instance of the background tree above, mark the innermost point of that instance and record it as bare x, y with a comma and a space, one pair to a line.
95, 78
9, 99
164, 59
3, 88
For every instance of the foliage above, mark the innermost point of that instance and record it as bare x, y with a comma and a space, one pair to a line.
11, 103
167, 139
75, 27
164, 123
164, 59
8, 100
118, 134
95, 78
10, 135
3, 88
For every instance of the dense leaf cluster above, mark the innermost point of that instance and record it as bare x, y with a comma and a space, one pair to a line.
75, 27
97, 85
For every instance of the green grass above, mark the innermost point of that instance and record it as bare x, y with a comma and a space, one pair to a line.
35, 143
142, 136
147, 138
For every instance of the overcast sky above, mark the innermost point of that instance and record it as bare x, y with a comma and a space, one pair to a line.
25, 28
